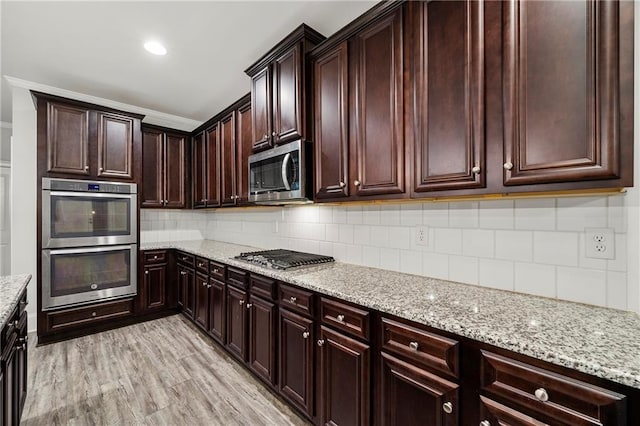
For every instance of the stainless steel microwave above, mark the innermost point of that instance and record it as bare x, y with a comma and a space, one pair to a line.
281, 175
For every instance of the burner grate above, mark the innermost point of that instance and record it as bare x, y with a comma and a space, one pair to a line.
283, 259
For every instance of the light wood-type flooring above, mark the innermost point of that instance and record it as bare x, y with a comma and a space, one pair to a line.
161, 372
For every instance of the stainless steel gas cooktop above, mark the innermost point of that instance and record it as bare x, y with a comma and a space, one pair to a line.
283, 259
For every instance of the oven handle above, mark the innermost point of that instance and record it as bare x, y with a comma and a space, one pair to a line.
93, 249
90, 194
287, 157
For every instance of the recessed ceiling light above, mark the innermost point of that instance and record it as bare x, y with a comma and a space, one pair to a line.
155, 48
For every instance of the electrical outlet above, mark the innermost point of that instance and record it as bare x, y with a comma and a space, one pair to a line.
599, 243
420, 233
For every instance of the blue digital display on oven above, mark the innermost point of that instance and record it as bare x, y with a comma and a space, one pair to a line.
94, 187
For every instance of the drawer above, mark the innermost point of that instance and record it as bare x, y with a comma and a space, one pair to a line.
186, 259
237, 277
296, 299
428, 349
263, 286
202, 265
344, 317
548, 396
156, 256
84, 315
217, 270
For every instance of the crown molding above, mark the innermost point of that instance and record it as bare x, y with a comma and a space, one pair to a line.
151, 116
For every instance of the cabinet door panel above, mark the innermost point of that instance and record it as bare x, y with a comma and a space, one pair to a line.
175, 171
261, 109
296, 360
67, 139
212, 174
244, 144
237, 322
115, 146
10, 401
199, 173
228, 159
561, 91
21, 369
186, 277
448, 80
344, 379
404, 387
378, 131
153, 168
201, 313
155, 287
217, 310
287, 123
331, 124
262, 328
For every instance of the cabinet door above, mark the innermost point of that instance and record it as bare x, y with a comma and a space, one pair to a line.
262, 328
175, 170
199, 170
286, 103
344, 379
403, 387
447, 79
67, 139
296, 360
331, 124
561, 91
155, 289
244, 144
217, 310
21, 369
212, 175
228, 160
237, 322
201, 312
186, 277
10, 400
377, 142
153, 168
115, 146
261, 109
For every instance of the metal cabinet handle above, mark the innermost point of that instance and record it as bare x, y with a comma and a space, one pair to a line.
320, 342
215, 270
101, 169
305, 335
241, 302
340, 318
204, 283
209, 286
200, 264
293, 299
155, 257
475, 169
508, 165
146, 272
356, 182
273, 134
249, 305
485, 423
542, 394
22, 347
342, 184
413, 345
183, 273
15, 324
86, 167
93, 314
265, 136
447, 407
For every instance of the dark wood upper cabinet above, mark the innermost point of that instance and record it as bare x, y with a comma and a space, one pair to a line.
447, 81
244, 145
278, 83
175, 170
164, 166
67, 139
228, 159
115, 146
330, 76
199, 169
212, 171
153, 168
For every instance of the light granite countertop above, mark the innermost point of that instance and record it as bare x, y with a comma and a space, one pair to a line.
11, 287
598, 341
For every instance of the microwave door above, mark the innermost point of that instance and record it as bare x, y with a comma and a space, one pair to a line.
267, 175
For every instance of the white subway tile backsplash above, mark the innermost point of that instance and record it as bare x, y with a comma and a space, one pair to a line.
380, 236
555, 248
514, 245
617, 290
582, 285
362, 234
339, 214
535, 279
620, 262
411, 214
333, 232
496, 274
325, 248
478, 242
435, 265
371, 256
435, 215
346, 234
399, 237
390, 259
354, 215
340, 252
325, 214
617, 211
448, 240
354, 254
389, 215
463, 214
411, 262
575, 214
496, 214
537, 214
463, 269
371, 215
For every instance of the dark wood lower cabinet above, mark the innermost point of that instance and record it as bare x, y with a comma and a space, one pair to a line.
410, 395
296, 360
186, 287
154, 287
493, 413
10, 397
13, 365
217, 310
344, 379
237, 322
262, 341
201, 308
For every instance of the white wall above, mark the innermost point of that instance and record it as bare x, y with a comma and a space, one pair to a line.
24, 191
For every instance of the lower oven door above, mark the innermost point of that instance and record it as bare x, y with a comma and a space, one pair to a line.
84, 275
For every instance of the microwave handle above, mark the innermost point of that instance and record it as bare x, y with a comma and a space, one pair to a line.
285, 182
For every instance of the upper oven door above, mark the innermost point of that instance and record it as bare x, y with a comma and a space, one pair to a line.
81, 219
277, 173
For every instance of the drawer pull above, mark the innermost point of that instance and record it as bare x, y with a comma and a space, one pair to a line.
413, 346
200, 264
204, 284
215, 270
293, 299
485, 423
249, 305
241, 302
305, 335
508, 165
22, 347
208, 285
155, 257
14, 324
183, 273
321, 342
185, 258
542, 395
447, 407
340, 318
146, 272
93, 314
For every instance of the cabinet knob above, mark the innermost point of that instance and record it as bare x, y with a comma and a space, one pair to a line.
293, 299
305, 335
356, 182
155, 257
204, 284
321, 342
22, 347
340, 318
215, 270
241, 302
166, 202
273, 134
485, 423
508, 165
447, 407
24, 339
413, 346
476, 169
200, 264
101, 169
342, 184
265, 137
93, 314
208, 285
542, 394
86, 167
15, 324
146, 272
249, 305
183, 273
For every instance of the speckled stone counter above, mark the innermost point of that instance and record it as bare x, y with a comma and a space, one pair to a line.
11, 287
598, 341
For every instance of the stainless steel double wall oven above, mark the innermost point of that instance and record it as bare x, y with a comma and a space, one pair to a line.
89, 241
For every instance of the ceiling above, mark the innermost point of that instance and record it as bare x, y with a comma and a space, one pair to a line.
95, 48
